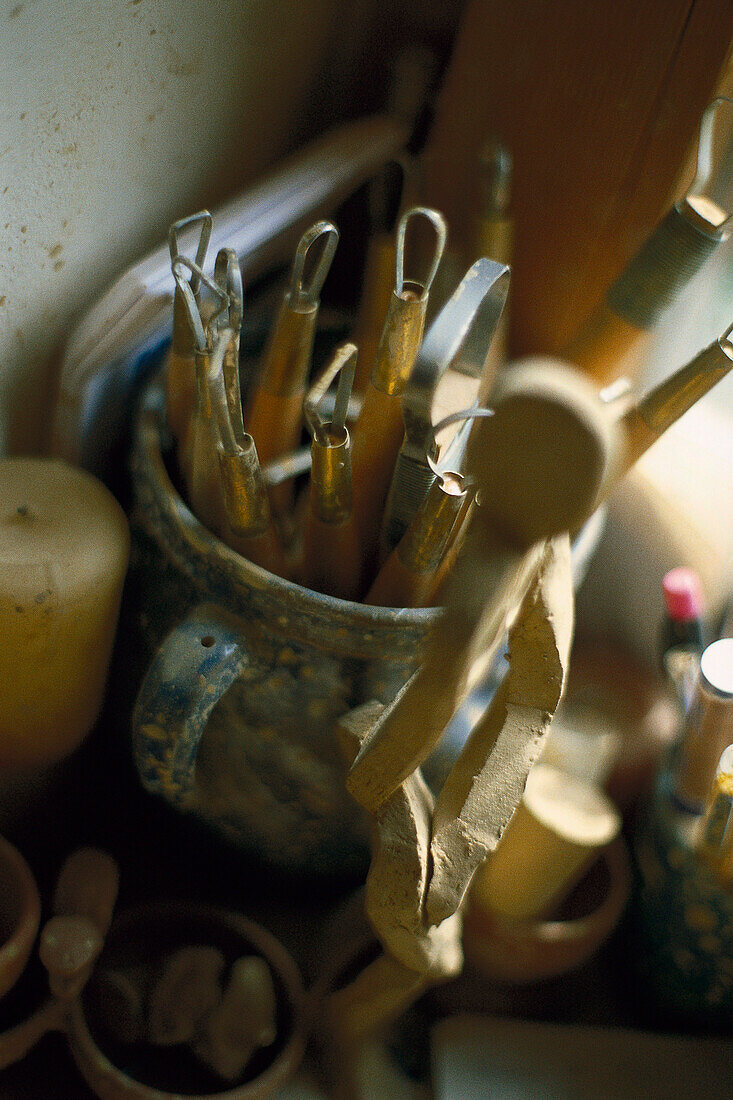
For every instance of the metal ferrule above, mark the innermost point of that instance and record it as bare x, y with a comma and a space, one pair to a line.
288, 354
245, 495
400, 339
677, 249
331, 486
675, 395
425, 542
411, 483
230, 371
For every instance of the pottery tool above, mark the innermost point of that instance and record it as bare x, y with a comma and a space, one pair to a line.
682, 631
493, 232
399, 873
111, 350
235, 486
715, 836
599, 112
69, 946
248, 526
379, 430
64, 549
180, 370
197, 456
646, 421
679, 247
446, 378
331, 545
528, 494
228, 277
379, 266
409, 576
558, 828
274, 411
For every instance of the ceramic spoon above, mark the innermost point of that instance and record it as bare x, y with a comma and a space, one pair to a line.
70, 944
539, 464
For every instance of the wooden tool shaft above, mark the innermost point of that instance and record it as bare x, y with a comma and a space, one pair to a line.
603, 346
180, 392
205, 493
377, 438
643, 424
275, 424
274, 414
331, 557
264, 550
375, 298
407, 577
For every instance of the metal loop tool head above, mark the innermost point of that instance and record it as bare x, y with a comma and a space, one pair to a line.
463, 416
223, 423
698, 196
725, 342
193, 313
342, 364
421, 287
458, 339
454, 351
204, 220
228, 277
304, 296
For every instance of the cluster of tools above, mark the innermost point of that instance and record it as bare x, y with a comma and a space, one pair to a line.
387, 502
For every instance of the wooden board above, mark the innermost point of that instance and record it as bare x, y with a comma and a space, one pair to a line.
599, 104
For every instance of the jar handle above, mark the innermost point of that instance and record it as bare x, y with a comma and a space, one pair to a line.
194, 666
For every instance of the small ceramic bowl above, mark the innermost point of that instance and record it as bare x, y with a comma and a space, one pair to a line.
20, 914
141, 1071
531, 951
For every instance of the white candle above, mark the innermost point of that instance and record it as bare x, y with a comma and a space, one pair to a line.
64, 549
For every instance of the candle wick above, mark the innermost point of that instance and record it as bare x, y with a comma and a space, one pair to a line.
22, 510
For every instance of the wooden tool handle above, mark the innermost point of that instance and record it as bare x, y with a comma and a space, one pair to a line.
180, 392
377, 438
87, 886
331, 558
264, 550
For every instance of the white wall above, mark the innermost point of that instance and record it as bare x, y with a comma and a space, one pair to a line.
116, 117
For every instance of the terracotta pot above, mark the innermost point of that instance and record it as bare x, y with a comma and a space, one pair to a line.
20, 914
531, 951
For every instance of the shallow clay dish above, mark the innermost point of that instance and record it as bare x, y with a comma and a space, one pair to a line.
530, 951
20, 914
141, 1071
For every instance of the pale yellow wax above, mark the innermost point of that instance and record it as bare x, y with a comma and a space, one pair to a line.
64, 549
557, 829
